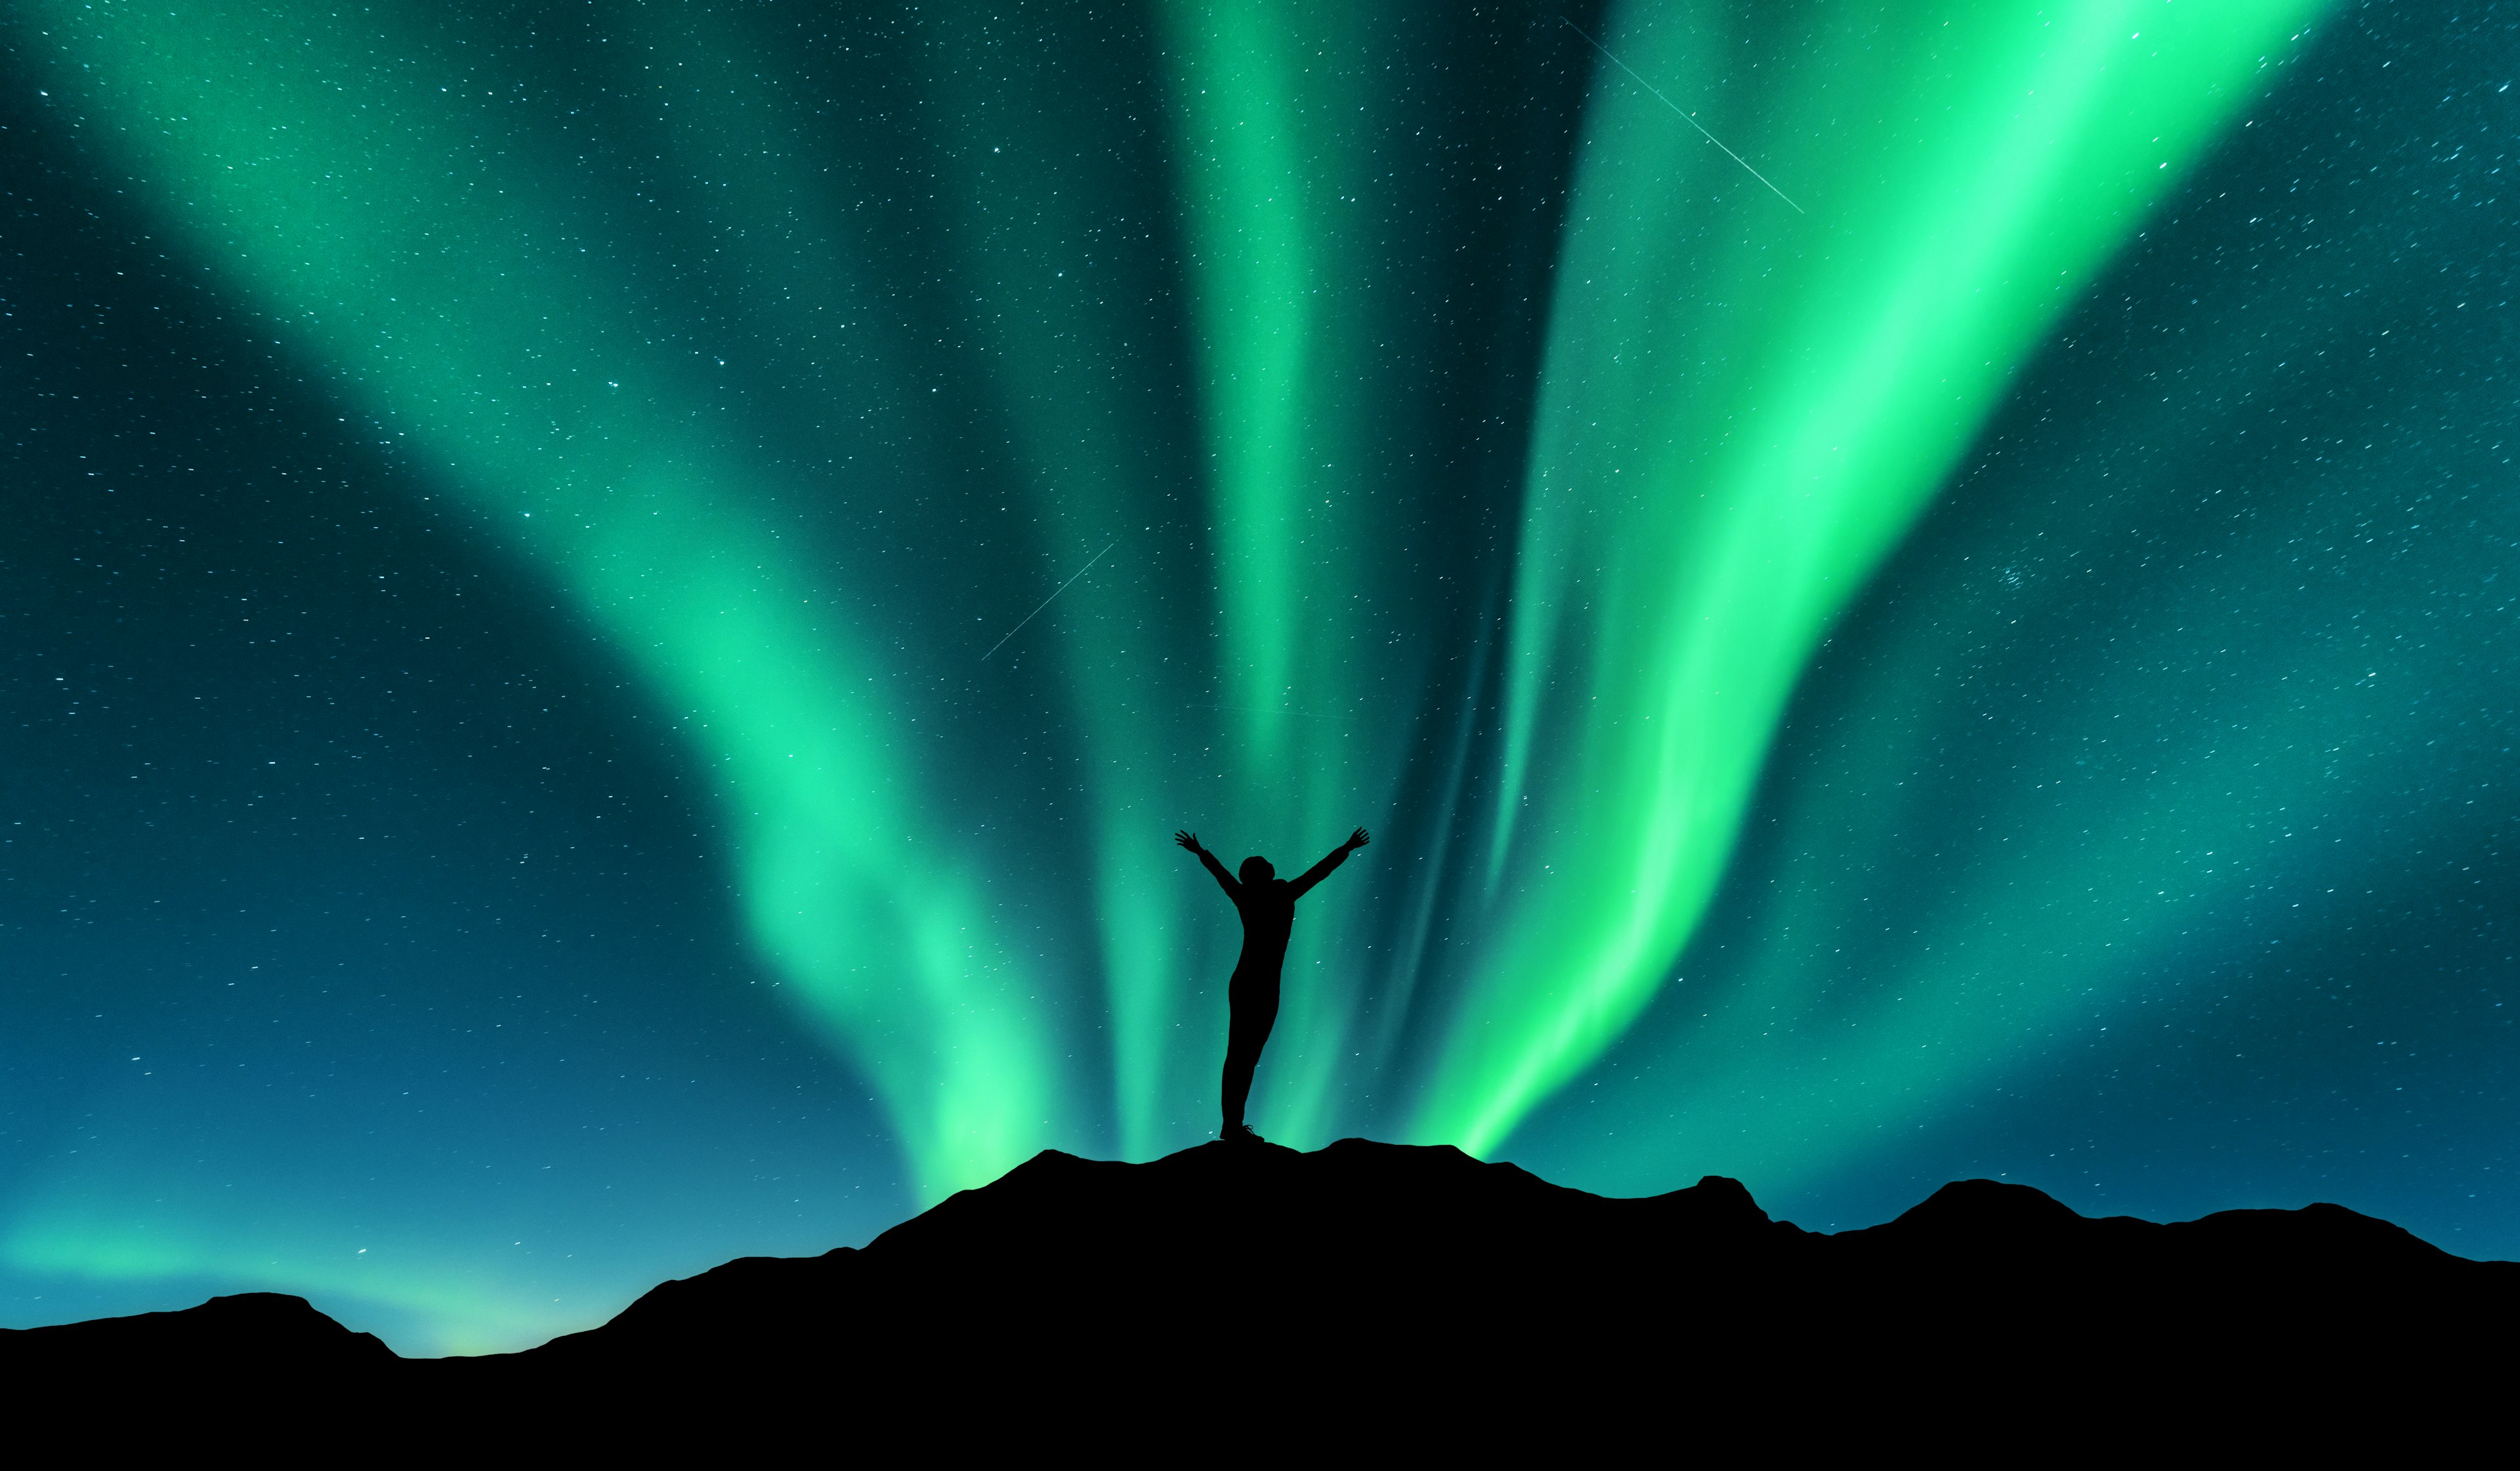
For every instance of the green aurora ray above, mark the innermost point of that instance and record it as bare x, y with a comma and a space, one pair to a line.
470, 309
1717, 471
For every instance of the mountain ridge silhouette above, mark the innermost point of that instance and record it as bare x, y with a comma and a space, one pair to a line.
1428, 1273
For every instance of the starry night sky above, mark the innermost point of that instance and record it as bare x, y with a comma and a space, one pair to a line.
1991, 656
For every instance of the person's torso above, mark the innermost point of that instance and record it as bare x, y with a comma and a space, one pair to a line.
1267, 917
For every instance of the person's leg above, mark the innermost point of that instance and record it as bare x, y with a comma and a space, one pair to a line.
1254, 1008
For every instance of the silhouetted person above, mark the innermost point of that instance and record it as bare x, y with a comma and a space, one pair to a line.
1267, 903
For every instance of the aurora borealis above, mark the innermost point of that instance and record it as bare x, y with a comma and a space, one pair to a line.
2000, 668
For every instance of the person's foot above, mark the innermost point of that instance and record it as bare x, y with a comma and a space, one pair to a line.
1240, 1134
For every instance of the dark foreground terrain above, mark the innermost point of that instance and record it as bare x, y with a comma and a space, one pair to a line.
1375, 1280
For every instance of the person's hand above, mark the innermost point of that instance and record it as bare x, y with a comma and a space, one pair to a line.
1189, 840
1358, 839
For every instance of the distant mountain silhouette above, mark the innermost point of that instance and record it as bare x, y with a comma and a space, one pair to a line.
284, 1334
1391, 1276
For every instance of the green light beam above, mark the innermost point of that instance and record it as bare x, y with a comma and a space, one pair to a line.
1740, 418
334, 171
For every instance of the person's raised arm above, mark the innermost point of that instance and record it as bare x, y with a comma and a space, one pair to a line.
1225, 881
1338, 855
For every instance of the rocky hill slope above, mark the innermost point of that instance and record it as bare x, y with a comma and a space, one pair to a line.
1379, 1274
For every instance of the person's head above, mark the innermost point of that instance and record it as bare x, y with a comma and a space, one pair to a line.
1258, 870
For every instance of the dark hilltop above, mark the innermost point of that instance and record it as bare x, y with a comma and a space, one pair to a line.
1363, 1277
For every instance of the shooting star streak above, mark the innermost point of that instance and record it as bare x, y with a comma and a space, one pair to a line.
1047, 601
1674, 106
